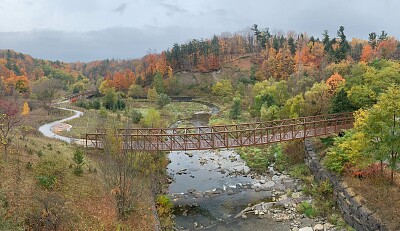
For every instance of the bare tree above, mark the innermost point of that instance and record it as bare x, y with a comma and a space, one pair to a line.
122, 171
9, 120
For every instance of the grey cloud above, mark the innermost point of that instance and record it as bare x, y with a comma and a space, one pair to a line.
121, 8
173, 9
118, 42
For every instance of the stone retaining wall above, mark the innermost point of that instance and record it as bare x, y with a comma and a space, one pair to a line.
355, 214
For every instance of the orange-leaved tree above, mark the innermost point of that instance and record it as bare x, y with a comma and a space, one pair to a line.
334, 82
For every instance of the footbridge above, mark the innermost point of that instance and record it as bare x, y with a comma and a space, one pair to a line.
225, 136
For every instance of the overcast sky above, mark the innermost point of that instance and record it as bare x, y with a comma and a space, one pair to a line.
86, 30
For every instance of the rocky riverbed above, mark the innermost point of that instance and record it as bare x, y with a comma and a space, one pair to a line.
215, 190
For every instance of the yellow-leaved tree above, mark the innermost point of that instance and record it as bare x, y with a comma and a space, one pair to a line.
25, 109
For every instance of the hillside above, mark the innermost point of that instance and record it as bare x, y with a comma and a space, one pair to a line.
251, 76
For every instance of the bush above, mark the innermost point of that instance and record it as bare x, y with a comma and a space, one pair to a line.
307, 209
164, 210
258, 159
48, 182
162, 100
96, 104
79, 162
294, 152
136, 116
120, 105
50, 170
48, 213
235, 111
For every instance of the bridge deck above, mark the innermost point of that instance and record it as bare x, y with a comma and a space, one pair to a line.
225, 136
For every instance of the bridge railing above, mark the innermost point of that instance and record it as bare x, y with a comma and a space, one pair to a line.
233, 127
226, 136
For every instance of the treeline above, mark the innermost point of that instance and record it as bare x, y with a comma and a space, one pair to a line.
276, 55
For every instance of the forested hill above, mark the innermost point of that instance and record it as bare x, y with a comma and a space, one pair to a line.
278, 56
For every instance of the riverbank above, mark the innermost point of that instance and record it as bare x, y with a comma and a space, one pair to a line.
213, 195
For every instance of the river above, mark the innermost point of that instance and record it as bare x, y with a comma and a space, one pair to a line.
210, 188
215, 190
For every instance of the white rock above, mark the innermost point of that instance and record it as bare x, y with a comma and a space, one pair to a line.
328, 226
318, 227
306, 229
269, 184
297, 195
283, 197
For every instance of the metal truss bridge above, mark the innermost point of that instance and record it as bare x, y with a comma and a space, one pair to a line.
225, 136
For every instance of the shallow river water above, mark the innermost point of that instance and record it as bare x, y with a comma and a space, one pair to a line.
213, 189
210, 187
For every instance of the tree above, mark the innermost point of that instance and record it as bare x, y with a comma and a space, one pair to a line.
387, 48
340, 102
24, 130
9, 119
341, 52
334, 82
222, 88
22, 84
152, 94
294, 107
136, 91
317, 99
135, 116
152, 119
367, 53
121, 172
361, 96
269, 113
381, 128
372, 40
158, 83
25, 109
45, 90
162, 100
110, 99
235, 111
79, 161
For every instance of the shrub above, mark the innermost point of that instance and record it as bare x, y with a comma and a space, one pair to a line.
48, 213
164, 210
307, 209
47, 182
162, 100
136, 116
258, 159
79, 162
51, 170
40, 153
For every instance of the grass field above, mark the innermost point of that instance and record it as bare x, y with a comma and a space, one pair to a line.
93, 119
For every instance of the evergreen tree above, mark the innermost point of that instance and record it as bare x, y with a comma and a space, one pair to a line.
158, 83
382, 37
341, 103
235, 111
344, 46
372, 39
292, 46
327, 42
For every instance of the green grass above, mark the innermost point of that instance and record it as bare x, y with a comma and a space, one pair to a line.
183, 110
88, 122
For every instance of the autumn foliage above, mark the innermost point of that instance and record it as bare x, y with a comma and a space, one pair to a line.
334, 82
